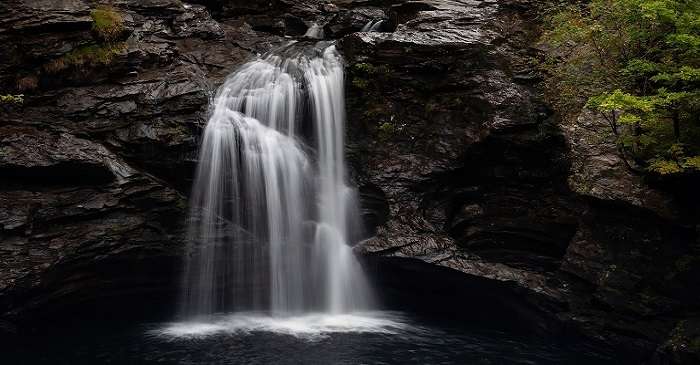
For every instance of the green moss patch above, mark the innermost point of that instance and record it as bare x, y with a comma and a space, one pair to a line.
108, 24
92, 55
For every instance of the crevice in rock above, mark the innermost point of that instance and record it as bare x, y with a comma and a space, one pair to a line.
69, 173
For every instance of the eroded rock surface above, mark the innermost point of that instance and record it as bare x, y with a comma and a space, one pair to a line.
448, 127
96, 162
445, 126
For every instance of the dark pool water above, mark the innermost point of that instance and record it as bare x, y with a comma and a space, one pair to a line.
365, 338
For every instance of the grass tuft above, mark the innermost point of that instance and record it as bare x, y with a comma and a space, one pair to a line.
108, 24
92, 55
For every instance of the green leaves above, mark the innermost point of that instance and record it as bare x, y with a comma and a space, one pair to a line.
567, 25
661, 11
665, 167
636, 62
692, 163
675, 166
685, 74
620, 101
641, 67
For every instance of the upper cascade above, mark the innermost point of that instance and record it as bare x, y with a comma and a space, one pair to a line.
272, 215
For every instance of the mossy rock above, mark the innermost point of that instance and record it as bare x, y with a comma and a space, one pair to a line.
364, 68
387, 128
86, 56
11, 99
108, 24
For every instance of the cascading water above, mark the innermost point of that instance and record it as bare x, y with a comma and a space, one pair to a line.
272, 219
373, 26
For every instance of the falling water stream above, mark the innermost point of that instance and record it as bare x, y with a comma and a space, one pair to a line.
272, 213
373, 25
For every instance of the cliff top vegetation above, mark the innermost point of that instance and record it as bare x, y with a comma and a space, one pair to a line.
637, 63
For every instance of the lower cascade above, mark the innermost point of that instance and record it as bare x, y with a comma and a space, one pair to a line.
272, 216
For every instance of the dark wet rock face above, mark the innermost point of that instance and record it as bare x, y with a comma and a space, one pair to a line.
97, 160
354, 20
461, 149
446, 120
682, 346
465, 176
69, 210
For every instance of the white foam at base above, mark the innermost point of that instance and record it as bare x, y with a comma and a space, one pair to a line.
308, 326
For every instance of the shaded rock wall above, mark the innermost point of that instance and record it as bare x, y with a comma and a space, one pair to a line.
97, 160
448, 126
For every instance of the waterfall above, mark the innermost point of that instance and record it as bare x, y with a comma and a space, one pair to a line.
272, 216
373, 26
314, 32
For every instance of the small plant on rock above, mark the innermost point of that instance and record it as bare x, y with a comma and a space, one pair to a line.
387, 128
11, 99
91, 55
107, 24
108, 28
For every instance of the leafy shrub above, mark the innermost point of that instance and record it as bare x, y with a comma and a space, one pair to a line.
637, 63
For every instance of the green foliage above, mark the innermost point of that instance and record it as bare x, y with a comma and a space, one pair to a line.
387, 128
364, 68
372, 82
665, 167
365, 75
362, 71
108, 27
91, 55
636, 62
108, 24
11, 99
